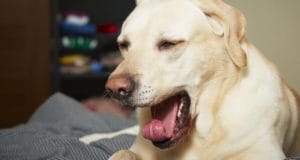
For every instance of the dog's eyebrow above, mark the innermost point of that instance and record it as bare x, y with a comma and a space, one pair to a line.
172, 35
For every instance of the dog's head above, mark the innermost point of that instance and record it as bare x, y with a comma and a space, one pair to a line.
171, 49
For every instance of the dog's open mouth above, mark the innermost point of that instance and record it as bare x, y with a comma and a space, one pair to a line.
170, 121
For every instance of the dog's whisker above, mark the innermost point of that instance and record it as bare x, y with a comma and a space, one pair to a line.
105, 94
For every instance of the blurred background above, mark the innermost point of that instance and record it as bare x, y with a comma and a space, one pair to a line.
69, 46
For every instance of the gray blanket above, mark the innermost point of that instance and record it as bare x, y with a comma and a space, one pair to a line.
54, 130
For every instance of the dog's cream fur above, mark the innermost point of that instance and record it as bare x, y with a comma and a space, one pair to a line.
241, 109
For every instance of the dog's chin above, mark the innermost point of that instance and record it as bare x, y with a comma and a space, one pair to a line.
170, 121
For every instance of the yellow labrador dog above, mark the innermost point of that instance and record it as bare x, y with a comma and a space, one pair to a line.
203, 91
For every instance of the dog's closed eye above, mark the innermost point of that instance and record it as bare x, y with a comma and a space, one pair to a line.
168, 44
124, 45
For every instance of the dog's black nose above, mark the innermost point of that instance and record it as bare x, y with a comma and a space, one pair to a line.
121, 86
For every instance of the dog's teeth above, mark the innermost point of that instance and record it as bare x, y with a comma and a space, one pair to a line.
179, 113
181, 106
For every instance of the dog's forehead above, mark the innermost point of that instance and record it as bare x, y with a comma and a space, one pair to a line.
169, 17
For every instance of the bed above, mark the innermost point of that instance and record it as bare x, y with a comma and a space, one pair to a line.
56, 129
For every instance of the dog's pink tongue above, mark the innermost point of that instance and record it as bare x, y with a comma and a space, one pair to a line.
155, 131
161, 127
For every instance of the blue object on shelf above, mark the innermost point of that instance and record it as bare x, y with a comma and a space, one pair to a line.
96, 67
73, 29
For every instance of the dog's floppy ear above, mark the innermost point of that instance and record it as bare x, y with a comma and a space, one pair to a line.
232, 24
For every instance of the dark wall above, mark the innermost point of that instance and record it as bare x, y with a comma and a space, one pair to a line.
25, 58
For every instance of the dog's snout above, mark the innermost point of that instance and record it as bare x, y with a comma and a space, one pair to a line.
120, 85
